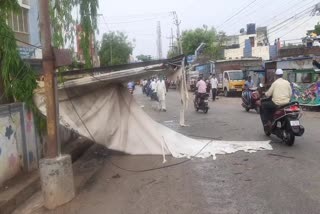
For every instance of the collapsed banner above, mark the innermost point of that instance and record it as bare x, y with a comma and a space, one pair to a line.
109, 115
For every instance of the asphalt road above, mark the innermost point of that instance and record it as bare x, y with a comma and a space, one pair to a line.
285, 180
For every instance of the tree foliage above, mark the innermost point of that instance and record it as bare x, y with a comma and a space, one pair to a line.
317, 28
115, 49
18, 80
64, 23
191, 39
144, 58
173, 52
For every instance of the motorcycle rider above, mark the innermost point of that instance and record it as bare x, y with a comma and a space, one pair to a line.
248, 84
201, 88
281, 93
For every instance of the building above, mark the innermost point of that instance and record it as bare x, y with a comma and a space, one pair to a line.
25, 25
252, 43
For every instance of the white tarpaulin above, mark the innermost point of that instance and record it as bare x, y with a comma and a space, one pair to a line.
108, 114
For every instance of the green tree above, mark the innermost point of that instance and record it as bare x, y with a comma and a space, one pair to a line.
144, 58
317, 28
173, 52
115, 49
17, 79
191, 39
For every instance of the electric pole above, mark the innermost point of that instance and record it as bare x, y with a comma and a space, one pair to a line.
159, 41
56, 172
177, 23
171, 37
49, 80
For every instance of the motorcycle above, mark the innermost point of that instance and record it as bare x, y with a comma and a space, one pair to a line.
249, 103
286, 122
202, 103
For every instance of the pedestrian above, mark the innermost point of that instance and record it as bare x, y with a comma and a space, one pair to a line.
214, 85
167, 84
161, 93
153, 89
144, 86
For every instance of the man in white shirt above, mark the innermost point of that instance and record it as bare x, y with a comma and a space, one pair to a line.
214, 85
281, 93
153, 86
161, 93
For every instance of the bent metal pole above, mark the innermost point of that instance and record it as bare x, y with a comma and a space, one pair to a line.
49, 80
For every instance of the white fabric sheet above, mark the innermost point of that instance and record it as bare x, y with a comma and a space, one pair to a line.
115, 120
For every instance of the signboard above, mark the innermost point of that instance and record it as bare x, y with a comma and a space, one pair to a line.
26, 52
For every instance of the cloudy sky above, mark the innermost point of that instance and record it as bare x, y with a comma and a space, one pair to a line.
139, 18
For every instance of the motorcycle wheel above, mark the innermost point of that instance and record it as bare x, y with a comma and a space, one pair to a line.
247, 109
206, 110
267, 133
289, 138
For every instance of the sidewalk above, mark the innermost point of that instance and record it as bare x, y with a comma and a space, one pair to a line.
17, 190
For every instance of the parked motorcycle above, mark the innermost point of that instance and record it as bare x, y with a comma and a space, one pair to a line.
286, 122
202, 103
250, 98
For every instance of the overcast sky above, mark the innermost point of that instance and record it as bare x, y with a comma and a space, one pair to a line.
139, 18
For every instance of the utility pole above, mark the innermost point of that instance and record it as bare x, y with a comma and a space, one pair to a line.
49, 80
171, 37
177, 23
55, 170
159, 41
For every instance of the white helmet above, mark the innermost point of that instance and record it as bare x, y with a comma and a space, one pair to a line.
279, 72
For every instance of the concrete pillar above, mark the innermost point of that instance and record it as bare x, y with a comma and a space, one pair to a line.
57, 181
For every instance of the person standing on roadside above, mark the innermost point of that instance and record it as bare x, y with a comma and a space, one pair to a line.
214, 85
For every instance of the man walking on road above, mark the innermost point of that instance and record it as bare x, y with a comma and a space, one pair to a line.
214, 85
161, 93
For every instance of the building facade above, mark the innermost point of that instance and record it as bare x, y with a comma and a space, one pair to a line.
25, 25
251, 43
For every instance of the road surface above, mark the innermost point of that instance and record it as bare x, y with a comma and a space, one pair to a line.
285, 180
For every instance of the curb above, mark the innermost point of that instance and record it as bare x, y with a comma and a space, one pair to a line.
83, 170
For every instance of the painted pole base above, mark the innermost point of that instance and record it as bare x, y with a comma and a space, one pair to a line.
57, 181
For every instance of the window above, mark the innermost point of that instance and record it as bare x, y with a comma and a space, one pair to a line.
304, 78
19, 22
251, 41
236, 75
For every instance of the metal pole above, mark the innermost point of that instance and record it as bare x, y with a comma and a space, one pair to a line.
177, 23
49, 79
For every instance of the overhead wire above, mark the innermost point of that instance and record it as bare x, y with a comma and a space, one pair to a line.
298, 15
287, 10
237, 13
23, 42
292, 18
